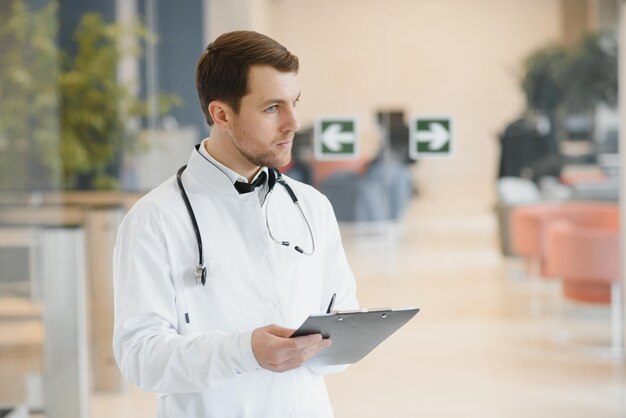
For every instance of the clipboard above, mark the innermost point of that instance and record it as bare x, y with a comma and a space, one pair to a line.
353, 333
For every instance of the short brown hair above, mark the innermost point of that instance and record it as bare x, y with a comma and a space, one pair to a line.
222, 69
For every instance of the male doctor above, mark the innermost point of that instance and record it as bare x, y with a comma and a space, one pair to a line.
203, 315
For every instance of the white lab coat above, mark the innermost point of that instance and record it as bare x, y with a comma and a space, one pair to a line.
206, 368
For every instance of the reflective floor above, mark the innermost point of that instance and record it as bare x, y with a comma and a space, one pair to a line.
475, 349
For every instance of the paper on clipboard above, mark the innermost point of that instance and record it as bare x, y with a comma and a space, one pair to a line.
353, 333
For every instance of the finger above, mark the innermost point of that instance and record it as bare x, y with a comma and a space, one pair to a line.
302, 357
307, 352
313, 350
279, 331
305, 341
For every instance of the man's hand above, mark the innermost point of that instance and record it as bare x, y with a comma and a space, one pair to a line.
275, 351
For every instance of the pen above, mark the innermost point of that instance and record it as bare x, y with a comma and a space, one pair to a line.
332, 303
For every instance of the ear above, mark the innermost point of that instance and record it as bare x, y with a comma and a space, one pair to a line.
220, 113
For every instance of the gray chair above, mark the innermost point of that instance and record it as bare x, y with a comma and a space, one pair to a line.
381, 194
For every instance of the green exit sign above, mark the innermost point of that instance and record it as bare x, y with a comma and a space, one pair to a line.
336, 138
431, 137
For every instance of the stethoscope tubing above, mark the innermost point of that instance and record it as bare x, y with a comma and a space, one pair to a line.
200, 271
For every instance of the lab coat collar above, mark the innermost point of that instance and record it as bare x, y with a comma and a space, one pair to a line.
211, 175
232, 174
207, 174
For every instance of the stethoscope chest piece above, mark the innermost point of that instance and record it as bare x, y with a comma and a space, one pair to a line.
200, 273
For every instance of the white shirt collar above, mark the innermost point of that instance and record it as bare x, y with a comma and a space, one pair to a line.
232, 175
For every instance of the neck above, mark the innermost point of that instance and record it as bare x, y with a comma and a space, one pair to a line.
220, 147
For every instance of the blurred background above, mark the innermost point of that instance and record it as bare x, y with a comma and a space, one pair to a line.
470, 149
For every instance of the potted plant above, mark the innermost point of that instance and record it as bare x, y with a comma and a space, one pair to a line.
561, 82
65, 117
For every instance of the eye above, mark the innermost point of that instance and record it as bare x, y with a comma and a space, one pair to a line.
272, 109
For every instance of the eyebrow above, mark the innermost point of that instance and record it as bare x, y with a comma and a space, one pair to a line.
278, 101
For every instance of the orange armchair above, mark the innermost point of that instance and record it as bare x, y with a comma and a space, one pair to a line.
528, 225
587, 261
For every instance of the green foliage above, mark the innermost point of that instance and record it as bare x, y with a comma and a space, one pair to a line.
64, 128
575, 79
541, 83
28, 98
591, 76
92, 127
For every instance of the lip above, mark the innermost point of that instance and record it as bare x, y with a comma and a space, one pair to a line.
285, 143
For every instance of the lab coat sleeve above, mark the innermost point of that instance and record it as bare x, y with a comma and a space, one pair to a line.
338, 277
147, 346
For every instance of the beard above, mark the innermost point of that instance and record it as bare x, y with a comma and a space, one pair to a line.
271, 157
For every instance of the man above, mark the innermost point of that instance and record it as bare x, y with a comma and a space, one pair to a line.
218, 345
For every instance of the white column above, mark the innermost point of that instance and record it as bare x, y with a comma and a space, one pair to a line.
128, 74
128, 68
66, 359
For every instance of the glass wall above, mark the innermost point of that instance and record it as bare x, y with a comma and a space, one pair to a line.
428, 125
29, 169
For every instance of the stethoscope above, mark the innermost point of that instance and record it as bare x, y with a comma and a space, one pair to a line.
275, 176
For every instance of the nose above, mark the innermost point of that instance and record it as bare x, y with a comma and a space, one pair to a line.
291, 123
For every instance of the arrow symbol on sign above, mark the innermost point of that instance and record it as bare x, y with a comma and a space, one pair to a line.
437, 136
332, 137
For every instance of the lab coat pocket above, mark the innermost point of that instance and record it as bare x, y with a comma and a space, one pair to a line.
184, 283
217, 305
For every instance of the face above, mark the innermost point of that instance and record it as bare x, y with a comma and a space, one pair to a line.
263, 130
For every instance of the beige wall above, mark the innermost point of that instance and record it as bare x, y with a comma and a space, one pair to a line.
227, 15
456, 57
576, 17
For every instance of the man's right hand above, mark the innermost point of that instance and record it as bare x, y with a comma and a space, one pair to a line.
275, 351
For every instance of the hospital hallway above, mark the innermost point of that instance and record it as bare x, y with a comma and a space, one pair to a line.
474, 350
